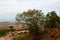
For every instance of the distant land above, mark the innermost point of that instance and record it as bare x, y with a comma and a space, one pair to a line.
7, 20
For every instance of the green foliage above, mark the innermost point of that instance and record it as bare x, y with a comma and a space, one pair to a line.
33, 18
30, 16
34, 31
3, 32
21, 37
51, 20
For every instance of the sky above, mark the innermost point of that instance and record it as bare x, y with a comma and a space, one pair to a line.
9, 8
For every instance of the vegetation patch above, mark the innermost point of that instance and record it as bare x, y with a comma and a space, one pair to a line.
3, 32
21, 37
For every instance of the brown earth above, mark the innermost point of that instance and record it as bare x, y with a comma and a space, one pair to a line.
49, 34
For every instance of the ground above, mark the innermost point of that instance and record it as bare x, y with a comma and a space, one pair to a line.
50, 34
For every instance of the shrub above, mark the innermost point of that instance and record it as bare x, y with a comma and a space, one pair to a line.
3, 32
21, 37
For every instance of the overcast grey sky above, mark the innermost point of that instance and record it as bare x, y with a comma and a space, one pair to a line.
9, 8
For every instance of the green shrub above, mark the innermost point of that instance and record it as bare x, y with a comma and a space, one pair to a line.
3, 32
21, 37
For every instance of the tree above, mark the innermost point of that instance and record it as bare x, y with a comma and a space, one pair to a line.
33, 18
51, 19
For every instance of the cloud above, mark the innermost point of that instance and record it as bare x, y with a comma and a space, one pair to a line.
9, 8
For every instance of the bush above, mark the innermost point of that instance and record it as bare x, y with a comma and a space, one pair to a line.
3, 32
21, 37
